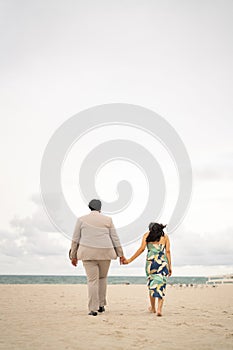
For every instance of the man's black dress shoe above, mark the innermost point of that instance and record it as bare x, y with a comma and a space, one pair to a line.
101, 309
93, 313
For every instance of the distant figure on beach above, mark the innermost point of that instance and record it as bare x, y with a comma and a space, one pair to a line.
158, 263
96, 243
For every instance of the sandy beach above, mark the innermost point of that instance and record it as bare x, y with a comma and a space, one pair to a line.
55, 317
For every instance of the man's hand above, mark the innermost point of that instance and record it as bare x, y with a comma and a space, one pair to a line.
74, 261
122, 259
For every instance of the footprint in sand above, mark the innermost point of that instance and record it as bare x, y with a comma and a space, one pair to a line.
229, 335
182, 324
216, 324
119, 334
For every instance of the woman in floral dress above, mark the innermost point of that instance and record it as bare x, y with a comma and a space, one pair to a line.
158, 263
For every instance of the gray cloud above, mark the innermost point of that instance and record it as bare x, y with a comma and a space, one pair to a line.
33, 235
10, 247
30, 248
203, 248
39, 220
217, 168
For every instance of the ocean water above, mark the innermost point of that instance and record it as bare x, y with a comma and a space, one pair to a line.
46, 279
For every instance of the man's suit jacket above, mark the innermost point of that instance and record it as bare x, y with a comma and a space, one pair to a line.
95, 238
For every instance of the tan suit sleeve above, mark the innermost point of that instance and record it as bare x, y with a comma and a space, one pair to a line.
75, 240
115, 240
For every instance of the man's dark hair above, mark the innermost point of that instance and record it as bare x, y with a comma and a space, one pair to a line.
95, 204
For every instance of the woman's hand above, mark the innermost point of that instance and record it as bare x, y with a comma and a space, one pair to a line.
169, 271
126, 262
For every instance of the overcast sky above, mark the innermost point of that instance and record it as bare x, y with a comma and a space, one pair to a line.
60, 57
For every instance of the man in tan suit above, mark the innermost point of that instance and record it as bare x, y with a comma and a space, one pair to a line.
96, 243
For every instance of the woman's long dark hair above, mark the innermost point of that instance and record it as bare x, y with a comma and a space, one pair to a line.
156, 232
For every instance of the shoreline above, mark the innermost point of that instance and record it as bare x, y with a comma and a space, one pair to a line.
59, 279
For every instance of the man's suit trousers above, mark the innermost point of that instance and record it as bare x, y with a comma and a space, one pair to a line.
96, 271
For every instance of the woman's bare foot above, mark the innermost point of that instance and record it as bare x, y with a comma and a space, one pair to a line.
160, 305
152, 310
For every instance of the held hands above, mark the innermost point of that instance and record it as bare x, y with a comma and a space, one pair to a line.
124, 261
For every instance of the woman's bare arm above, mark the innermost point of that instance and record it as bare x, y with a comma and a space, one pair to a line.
139, 251
168, 254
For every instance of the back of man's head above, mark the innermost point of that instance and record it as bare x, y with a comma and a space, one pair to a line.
95, 204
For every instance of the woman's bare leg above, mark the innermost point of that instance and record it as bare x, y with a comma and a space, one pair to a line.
152, 303
160, 306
